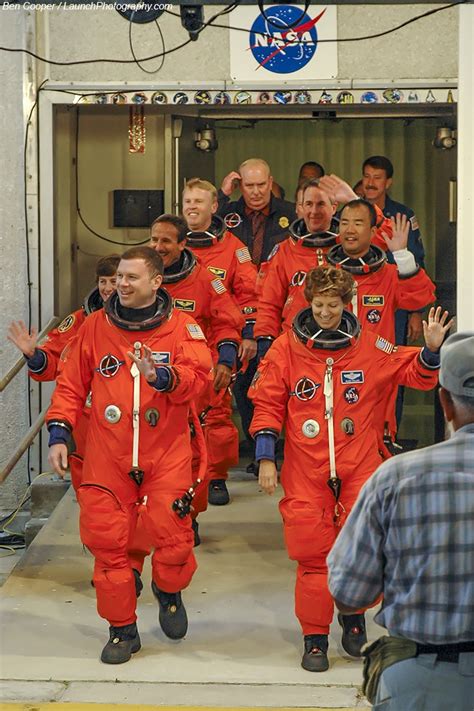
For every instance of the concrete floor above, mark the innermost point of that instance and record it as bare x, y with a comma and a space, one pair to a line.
243, 647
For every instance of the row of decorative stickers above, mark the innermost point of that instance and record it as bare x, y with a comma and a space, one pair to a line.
301, 97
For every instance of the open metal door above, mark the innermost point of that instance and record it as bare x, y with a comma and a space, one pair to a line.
185, 160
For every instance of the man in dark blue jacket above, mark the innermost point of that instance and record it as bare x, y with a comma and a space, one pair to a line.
258, 218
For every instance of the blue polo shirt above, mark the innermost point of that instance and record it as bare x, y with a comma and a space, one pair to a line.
415, 246
415, 243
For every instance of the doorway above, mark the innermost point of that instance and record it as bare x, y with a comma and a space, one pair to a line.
92, 159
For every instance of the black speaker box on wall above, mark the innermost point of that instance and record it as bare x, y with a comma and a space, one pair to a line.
137, 208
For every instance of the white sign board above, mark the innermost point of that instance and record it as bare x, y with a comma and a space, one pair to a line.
284, 43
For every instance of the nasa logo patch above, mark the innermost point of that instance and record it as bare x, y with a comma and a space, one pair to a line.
109, 366
373, 316
232, 220
351, 395
305, 389
298, 278
67, 323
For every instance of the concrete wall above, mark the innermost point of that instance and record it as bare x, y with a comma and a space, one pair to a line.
13, 420
425, 49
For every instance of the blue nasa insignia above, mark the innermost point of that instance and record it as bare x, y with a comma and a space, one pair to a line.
351, 395
373, 316
278, 44
349, 377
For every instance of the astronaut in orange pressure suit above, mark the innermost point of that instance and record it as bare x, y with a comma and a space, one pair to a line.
281, 283
45, 362
321, 380
144, 363
201, 293
224, 255
380, 288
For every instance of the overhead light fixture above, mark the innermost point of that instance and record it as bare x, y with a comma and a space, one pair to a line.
445, 138
205, 139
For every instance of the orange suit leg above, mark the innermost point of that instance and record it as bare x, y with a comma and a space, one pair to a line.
222, 437
309, 535
110, 503
107, 520
310, 530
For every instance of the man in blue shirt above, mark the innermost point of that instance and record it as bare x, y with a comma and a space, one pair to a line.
377, 178
410, 537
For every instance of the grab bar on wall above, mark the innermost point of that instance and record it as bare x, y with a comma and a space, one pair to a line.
24, 444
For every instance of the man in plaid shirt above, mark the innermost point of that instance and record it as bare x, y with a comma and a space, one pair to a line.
410, 536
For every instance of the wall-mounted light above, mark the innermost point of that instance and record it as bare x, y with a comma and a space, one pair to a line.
445, 138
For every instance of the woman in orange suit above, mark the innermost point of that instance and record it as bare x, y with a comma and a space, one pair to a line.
321, 381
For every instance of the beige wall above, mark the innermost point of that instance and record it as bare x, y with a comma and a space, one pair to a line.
424, 49
104, 165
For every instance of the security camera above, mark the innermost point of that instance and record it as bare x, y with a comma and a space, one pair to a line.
445, 138
192, 19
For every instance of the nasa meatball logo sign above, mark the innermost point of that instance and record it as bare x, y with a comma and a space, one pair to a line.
284, 41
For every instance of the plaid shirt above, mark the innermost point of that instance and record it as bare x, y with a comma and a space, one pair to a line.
410, 535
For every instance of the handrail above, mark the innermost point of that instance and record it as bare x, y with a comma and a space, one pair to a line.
24, 444
15, 369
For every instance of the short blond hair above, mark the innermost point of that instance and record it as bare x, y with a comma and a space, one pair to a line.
199, 184
329, 281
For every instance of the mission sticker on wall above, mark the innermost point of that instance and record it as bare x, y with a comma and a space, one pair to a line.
285, 41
